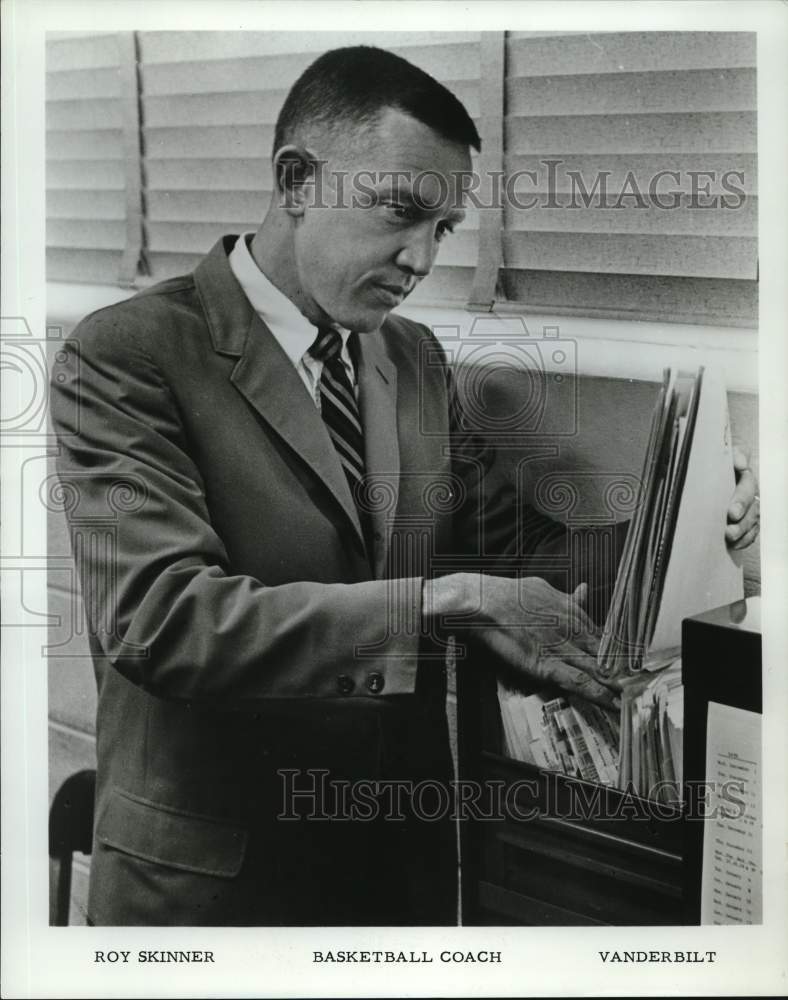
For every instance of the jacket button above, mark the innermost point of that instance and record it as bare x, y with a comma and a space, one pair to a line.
375, 683
345, 684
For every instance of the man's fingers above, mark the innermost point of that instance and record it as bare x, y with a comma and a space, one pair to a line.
743, 497
588, 642
573, 678
580, 595
748, 538
735, 533
582, 629
570, 653
588, 664
585, 642
741, 458
574, 681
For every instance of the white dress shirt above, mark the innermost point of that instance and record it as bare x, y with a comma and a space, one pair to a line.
293, 331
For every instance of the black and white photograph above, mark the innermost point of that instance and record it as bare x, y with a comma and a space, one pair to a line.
390, 391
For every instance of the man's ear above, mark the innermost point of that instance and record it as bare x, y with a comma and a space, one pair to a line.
294, 174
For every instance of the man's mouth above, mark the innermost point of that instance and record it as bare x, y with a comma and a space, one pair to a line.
392, 294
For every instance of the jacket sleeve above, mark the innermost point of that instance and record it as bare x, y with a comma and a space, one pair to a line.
161, 599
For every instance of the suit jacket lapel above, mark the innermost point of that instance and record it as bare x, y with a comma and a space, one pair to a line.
377, 383
266, 377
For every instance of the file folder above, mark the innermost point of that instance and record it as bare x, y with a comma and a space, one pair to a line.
675, 561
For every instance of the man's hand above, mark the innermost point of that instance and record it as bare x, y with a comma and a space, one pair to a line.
744, 512
535, 632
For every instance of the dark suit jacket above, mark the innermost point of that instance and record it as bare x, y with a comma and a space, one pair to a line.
240, 626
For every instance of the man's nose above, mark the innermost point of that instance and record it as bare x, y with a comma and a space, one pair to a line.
418, 253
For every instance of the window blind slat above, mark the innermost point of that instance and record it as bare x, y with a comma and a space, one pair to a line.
97, 175
85, 144
82, 84
89, 51
207, 206
634, 133
633, 93
203, 174
81, 204
622, 52
644, 297
99, 113
176, 46
642, 169
86, 234
627, 253
221, 75
685, 219
252, 108
221, 141
83, 266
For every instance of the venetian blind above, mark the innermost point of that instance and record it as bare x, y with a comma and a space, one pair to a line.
209, 102
626, 107
159, 143
92, 158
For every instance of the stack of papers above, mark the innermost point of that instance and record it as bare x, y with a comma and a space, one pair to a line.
561, 734
641, 575
652, 732
639, 751
675, 562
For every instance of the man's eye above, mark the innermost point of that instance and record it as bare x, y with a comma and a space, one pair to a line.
398, 210
444, 229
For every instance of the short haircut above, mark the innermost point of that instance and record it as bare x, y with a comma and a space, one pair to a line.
355, 84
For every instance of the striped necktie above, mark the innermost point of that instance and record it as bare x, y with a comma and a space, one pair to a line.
339, 409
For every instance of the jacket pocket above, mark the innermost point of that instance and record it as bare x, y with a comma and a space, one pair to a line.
167, 836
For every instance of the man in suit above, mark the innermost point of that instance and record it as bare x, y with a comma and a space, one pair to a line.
269, 539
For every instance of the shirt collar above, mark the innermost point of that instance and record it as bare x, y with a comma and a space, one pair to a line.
294, 332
